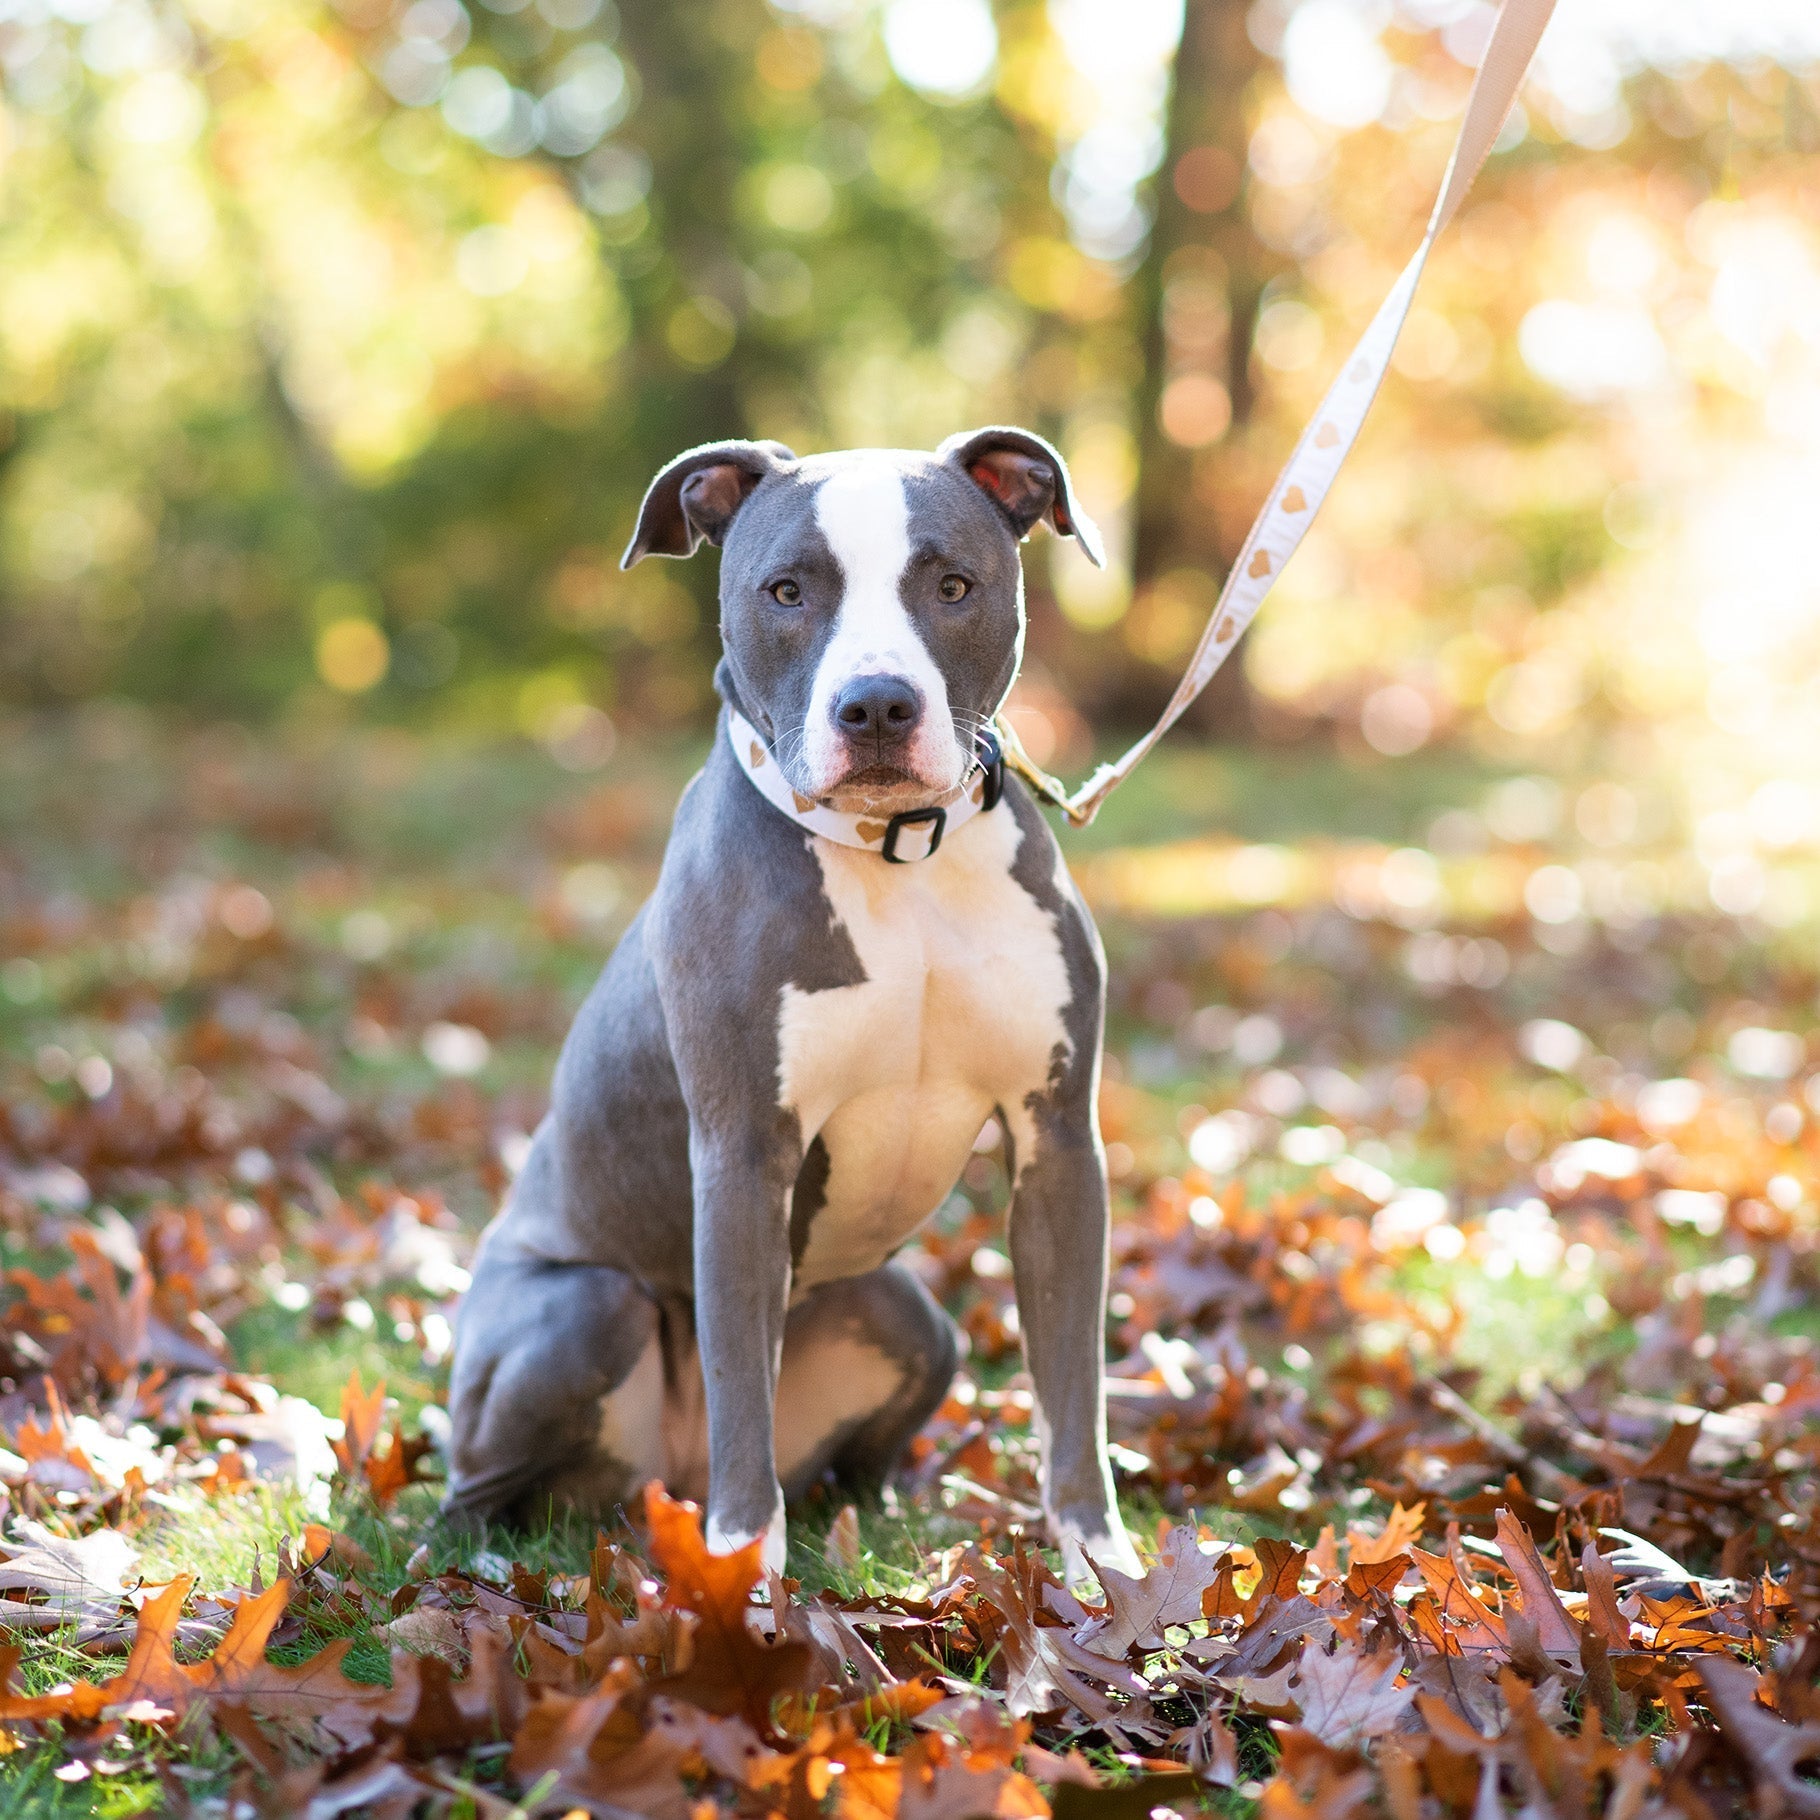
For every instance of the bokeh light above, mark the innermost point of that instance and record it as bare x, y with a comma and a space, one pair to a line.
942, 47
408, 298
1333, 64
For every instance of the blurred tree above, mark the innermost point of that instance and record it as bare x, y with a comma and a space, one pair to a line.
338, 343
456, 283
1197, 296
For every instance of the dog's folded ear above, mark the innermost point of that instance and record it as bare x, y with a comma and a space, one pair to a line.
697, 496
1026, 479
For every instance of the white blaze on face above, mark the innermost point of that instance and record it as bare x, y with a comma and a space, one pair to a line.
865, 516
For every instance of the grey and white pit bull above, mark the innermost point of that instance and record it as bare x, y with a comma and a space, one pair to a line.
859, 950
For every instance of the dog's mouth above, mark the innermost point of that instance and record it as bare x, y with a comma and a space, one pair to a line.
881, 788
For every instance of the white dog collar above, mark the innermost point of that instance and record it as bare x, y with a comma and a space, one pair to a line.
911, 835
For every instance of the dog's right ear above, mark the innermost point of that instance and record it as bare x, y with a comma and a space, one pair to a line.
698, 495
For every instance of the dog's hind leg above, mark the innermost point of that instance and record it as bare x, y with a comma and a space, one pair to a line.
866, 1361
557, 1399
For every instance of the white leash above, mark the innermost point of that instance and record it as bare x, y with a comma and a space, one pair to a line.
1324, 445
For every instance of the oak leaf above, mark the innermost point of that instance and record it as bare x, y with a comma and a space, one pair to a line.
1770, 1748
1464, 1621
943, 1779
1333, 1794
430, 1631
1138, 1799
1222, 1599
1169, 1593
435, 1713
1602, 1613
870, 1786
388, 1473
730, 1671
1043, 1664
1349, 1696
1541, 1603
362, 1417
1364, 1578
237, 1670
842, 1548
1280, 1567
54, 1458
651, 1633
1401, 1529
1272, 1626
608, 1756
83, 1579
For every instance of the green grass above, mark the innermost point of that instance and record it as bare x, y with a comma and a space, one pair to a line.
454, 852
1514, 1329
314, 1363
29, 1790
218, 1540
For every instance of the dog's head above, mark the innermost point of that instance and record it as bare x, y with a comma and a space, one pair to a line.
872, 602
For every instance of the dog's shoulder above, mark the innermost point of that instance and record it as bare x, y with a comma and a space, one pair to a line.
1040, 871
1040, 867
740, 900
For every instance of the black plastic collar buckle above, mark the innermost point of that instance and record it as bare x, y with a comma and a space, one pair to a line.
937, 818
992, 767
991, 761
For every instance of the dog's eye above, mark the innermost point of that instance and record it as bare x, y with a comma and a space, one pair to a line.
954, 587
786, 594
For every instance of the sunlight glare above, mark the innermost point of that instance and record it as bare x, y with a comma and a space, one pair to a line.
1623, 257
941, 47
1766, 287
1121, 53
1753, 548
1592, 350
1115, 43
1334, 65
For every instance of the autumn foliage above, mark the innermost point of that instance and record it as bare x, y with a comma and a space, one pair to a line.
1429, 1681
1492, 1497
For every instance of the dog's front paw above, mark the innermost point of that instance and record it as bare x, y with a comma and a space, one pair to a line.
727, 1541
1092, 1543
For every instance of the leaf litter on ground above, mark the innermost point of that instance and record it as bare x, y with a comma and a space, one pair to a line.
1409, 1556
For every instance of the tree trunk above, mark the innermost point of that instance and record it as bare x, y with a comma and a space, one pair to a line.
1204, 262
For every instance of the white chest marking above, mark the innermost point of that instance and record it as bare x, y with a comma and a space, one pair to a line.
961, 1011
864, 515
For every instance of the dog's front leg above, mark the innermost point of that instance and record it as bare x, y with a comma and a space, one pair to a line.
742, 1291
1060, 1220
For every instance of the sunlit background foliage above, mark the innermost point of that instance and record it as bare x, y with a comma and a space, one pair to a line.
1463, 993
338, 341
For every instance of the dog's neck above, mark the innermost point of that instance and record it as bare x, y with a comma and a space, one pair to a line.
900, 839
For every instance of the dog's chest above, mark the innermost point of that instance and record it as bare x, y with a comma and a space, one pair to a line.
962, 1010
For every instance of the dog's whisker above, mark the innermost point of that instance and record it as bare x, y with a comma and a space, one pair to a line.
791, 744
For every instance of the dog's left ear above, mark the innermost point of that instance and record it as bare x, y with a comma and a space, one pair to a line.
1026, 479
698, 495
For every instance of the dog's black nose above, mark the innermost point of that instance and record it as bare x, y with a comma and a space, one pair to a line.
878, 708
